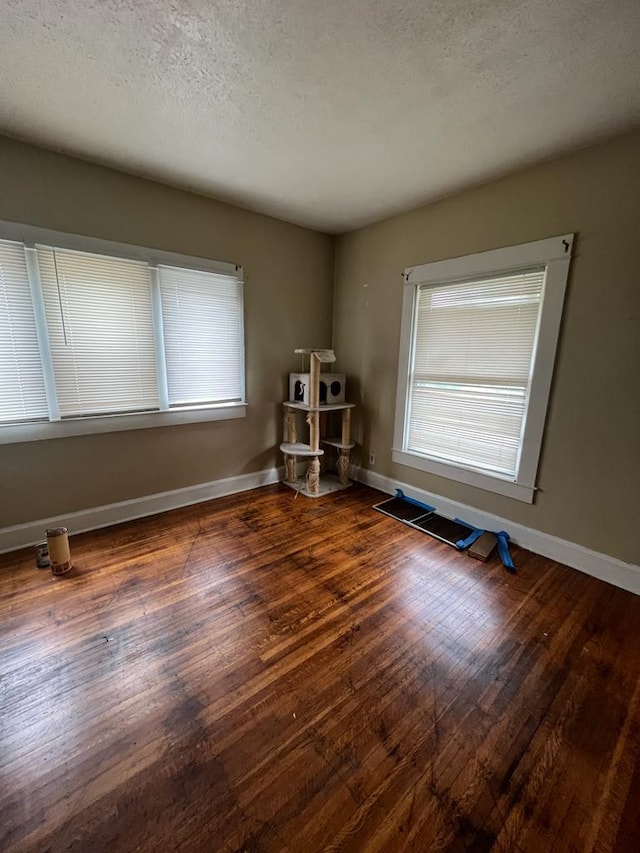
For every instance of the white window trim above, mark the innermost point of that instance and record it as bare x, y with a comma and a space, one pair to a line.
43, 430
555, 254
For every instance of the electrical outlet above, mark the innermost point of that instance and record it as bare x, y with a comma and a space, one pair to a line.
372, 457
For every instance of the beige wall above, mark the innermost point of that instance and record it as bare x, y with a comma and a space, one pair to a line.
288, 293
590, 465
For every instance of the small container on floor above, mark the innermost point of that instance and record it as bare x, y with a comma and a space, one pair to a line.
59, 553
42, 555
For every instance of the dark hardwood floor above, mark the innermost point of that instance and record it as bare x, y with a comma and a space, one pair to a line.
266, 673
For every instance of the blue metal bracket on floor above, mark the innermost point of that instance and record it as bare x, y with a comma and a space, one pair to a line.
462, 544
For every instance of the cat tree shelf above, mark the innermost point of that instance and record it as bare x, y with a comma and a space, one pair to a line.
336, 441
299, 449
324, 407
314, 484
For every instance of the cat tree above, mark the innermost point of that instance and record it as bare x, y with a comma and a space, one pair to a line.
314, 484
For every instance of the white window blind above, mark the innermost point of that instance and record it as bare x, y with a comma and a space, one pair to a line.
203, 336
22, 390
100, 337
99, 317
471, 367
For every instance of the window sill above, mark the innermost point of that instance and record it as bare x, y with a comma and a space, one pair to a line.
118, 423
518, 491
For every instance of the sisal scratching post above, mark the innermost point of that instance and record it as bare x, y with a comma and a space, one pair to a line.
313, 476
343, 467
313, 473
346, 426
314, 402
290, 427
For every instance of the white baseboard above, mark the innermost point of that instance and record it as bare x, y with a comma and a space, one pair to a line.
602, 566
23, 535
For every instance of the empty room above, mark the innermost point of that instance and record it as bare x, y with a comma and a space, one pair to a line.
319, 426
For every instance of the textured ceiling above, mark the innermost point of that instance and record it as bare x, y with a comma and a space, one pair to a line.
328, 113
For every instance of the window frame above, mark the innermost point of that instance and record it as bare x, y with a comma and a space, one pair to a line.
555, 255
116, 422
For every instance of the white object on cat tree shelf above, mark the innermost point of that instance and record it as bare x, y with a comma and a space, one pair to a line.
315, 484
331, 388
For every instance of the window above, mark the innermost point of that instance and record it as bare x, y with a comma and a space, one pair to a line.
153, 338
22, 391
478, 342
100, 330
202, 320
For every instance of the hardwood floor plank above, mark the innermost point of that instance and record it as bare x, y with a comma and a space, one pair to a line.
266, 673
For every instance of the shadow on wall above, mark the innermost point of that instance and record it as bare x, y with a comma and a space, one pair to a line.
362, 419
264, 461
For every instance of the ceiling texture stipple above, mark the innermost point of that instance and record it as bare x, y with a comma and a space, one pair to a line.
328, 114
